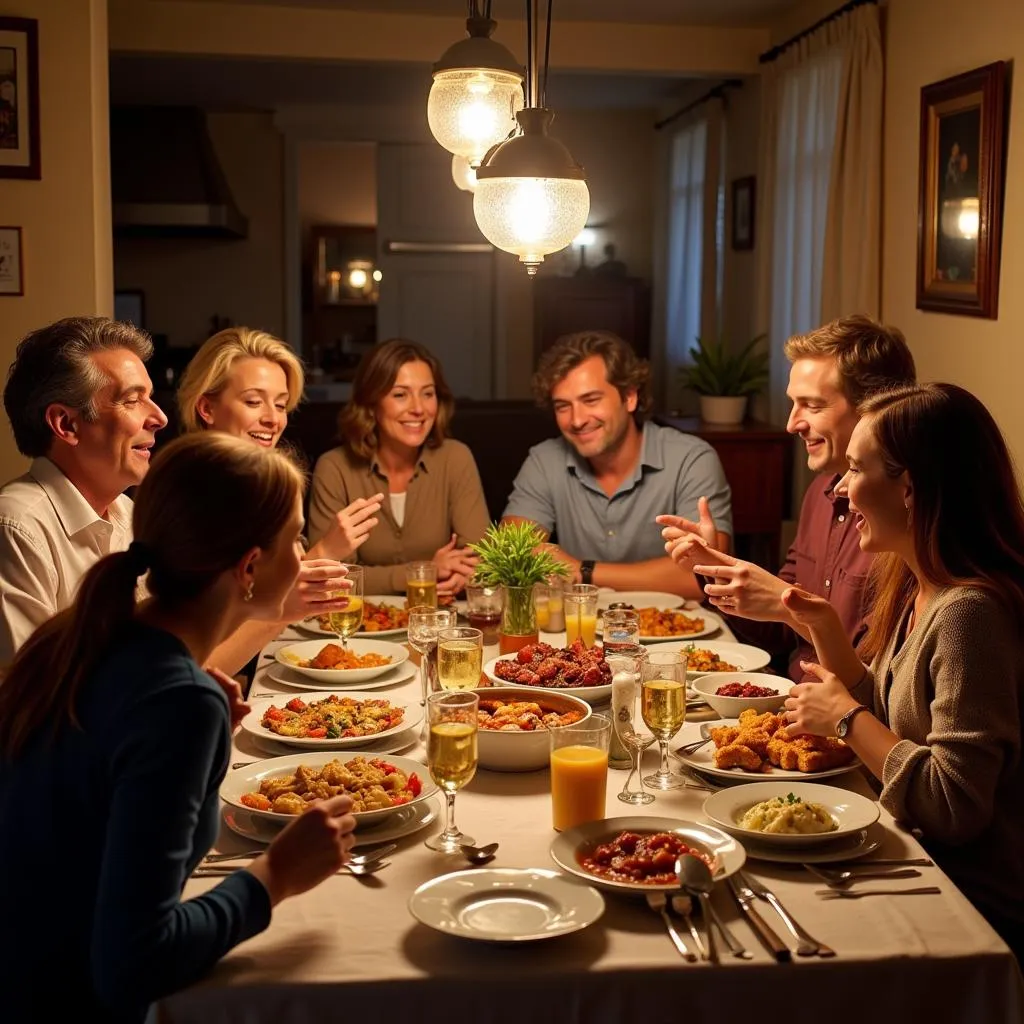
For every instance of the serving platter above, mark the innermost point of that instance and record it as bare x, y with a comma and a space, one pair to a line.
591, 694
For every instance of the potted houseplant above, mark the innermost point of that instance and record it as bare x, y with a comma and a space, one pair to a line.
511, 557
724, 380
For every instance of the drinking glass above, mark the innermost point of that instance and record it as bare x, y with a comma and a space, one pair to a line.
579, 772
424, 625
460, 657
663, 709
451, 757
620, 629
346, 621
421, 584
556, 606
580, 604
484, 605
627, 678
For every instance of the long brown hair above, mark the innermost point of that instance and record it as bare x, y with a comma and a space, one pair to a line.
967, 514
207, 499
375, 376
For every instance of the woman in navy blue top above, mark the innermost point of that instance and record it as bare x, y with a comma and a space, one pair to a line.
114, 741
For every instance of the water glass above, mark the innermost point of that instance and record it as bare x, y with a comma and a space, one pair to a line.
421, 584
620, 629
579, 772
484, 605
451, 757
460, 658
627, 678
424, 625
580, 603
346, 621
663, 709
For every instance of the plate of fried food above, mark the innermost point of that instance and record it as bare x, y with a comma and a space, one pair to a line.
756, 745
331, 664
313, 721
280, 788
658, 624
576, 669
383, 615
718, 656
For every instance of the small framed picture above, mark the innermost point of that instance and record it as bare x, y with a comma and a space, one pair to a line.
19, 98
743, 213
130, 307
11, 279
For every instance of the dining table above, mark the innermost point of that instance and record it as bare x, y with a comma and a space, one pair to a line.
350, 949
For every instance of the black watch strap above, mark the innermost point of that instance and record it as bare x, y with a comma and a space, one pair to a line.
587, 570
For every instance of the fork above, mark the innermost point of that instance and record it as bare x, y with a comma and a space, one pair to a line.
689, 748
844, 879
658, 902
356, 858
222, 870
856, 894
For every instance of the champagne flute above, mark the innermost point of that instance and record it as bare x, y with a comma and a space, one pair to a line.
460, 657
663, 709
627, 676
346, 621
451, 757
424, 625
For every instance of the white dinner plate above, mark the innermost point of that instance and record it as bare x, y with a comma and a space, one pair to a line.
405, 821
291, 654
393, 744
591, 694
745, 657
413, 715
702, 760
850, 847
294, 679
566, 849
850, 812
506, 904
712, 624
248, 778
640, 599
313, 627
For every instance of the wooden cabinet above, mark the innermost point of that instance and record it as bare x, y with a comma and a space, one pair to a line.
563, 305
758, 463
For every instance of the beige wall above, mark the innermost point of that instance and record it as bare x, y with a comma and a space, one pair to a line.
65, 217
337, 183
187, 281
929, 40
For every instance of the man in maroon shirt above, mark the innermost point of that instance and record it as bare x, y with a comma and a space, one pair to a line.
833, 369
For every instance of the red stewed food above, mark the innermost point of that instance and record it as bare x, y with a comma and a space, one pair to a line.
543, 665
745, 690
647, 859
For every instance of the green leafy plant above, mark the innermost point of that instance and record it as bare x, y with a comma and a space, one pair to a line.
510, 557
715, 371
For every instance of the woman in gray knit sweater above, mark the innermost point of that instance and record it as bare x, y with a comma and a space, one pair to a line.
936, 717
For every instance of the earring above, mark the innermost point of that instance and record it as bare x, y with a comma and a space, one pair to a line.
910, 514
249, 590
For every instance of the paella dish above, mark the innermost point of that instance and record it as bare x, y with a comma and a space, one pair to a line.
332, 718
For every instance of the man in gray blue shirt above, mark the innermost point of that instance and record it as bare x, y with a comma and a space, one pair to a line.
599, 486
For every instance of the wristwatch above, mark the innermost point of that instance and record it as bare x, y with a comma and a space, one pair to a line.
587, 570
843, 725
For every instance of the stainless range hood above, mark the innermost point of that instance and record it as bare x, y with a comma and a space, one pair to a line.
165, 177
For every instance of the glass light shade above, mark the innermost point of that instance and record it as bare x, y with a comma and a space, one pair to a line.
531, 217
463, 174
471, 109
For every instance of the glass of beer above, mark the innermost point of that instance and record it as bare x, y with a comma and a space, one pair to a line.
346, 621
484, 606
451, 757
663, 709
460, 658
421, 584
580, 604
424, 625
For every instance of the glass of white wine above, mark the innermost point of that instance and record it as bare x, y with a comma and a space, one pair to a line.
451, 757
460, 657
663, 709
627, 679
346, 621
424, 625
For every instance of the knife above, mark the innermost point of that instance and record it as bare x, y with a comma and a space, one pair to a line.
745, 898
807, 944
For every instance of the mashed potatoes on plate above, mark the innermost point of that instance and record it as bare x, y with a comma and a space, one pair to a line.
787, 815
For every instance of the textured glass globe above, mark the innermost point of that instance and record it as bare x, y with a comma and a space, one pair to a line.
531, 217
463, 174
470, 110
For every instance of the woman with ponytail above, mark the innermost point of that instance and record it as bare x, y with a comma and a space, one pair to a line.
113, 739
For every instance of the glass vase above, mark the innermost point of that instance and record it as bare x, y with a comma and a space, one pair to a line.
518, 620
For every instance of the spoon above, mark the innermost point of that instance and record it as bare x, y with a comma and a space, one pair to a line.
695, 877
479, 854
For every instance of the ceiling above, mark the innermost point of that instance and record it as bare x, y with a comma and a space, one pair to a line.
748, 13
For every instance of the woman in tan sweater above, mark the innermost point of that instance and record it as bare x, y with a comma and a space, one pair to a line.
395, 432
936, 718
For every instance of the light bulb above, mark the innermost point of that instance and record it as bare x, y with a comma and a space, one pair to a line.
470, 110
357, 279
463, 174
585, 237
378, 276
969, 219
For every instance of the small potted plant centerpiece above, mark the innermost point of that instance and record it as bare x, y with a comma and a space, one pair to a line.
511, 557
723, 380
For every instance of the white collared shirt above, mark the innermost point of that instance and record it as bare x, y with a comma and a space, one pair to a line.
50, 537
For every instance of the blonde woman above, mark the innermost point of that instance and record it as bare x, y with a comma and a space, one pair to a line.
246, 382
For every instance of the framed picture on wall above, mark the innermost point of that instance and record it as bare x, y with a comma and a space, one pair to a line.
960, 200
11, 277
19, 98
743, 213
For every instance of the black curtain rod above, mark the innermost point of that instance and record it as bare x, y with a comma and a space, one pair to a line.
777, 51
712, 94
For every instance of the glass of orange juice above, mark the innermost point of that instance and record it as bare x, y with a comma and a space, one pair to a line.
579, 772
580, 605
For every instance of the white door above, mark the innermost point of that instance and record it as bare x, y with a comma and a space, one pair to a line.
438, 271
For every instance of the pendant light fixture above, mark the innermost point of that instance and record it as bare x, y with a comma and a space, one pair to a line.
477, 90
531, 196
463, 174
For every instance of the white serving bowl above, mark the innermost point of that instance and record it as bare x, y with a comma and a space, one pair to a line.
730, 707
307, 650
523, 751
592, 694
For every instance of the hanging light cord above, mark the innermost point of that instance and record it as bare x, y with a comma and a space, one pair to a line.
530, 52
547, 53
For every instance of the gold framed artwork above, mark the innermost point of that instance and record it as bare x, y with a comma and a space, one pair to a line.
960, 195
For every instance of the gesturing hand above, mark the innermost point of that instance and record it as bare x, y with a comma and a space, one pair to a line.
450, 559
742, 588
233, 691
313, 593
806, 608
351, 527
678, 526
816, 706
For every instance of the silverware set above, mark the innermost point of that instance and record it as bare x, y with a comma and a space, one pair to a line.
369, 863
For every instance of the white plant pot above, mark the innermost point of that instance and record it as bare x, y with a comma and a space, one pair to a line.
723, 410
